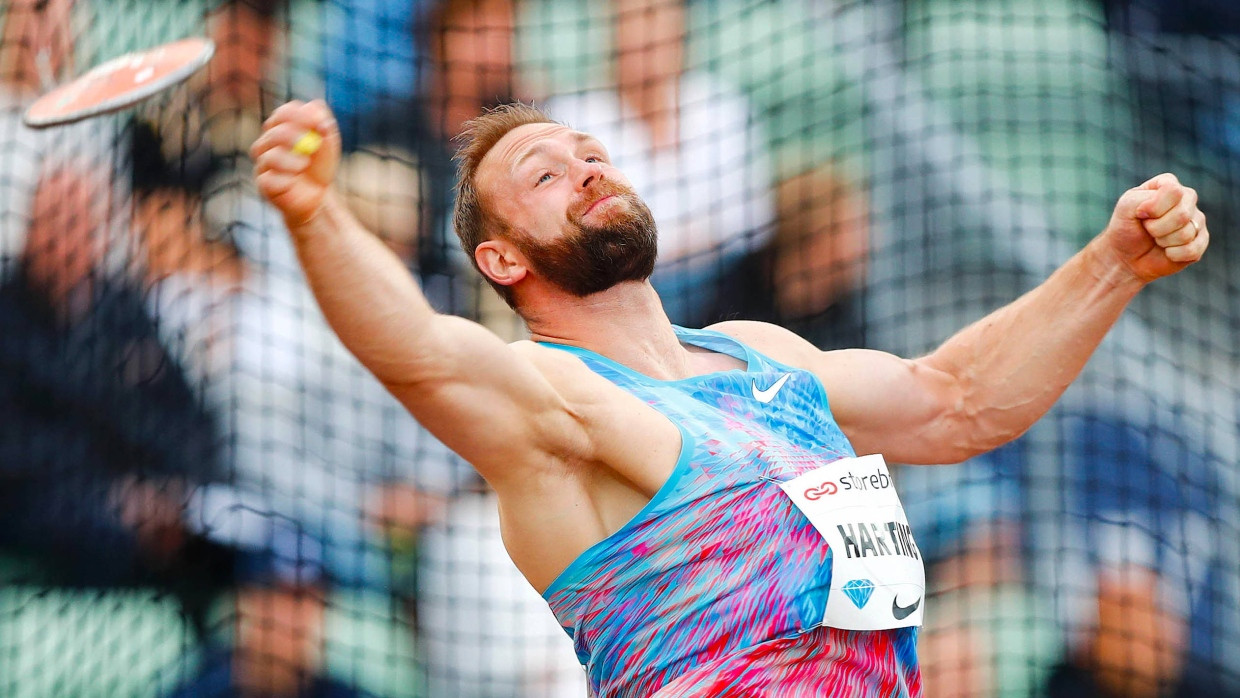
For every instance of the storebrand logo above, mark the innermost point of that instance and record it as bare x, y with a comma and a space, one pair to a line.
823, 490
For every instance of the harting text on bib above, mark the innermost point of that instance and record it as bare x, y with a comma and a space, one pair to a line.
877, 578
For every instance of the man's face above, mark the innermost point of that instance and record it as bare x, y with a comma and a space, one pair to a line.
574, 216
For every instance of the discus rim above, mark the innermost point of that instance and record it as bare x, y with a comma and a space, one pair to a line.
48, 110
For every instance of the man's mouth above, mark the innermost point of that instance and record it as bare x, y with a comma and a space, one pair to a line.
596, 203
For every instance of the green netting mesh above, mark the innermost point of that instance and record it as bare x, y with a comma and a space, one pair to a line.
202, 492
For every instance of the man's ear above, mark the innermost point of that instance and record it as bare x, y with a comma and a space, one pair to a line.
501, 262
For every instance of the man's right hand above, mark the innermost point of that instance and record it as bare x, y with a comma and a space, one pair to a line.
294, 182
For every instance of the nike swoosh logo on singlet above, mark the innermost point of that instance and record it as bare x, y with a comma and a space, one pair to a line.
769, 394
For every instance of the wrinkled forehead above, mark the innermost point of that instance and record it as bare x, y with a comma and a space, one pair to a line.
501, 161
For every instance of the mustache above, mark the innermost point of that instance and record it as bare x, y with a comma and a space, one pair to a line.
598, 192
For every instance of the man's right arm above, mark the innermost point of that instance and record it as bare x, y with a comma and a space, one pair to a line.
475, 392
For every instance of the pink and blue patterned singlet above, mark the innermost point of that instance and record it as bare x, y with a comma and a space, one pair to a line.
718, 586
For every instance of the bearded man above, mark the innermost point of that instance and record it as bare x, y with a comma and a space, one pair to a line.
692, 510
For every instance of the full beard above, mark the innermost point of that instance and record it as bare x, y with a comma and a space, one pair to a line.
598, 256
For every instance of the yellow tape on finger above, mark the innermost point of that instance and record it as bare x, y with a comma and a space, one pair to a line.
308, 144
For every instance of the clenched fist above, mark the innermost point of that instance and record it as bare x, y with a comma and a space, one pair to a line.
296, 178
1157, 229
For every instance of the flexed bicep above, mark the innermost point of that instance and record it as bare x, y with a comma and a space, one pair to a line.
904, 409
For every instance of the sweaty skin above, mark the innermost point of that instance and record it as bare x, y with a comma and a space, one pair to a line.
571, 456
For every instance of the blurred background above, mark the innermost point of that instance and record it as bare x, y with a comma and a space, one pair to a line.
203, 494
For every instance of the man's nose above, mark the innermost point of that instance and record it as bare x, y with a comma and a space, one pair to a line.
591, 173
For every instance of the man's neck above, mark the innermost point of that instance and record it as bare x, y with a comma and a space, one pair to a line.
625, 323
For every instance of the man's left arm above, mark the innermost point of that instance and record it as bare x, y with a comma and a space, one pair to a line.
991, 381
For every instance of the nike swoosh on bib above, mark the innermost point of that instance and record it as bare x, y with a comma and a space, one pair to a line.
769, 394
902, 612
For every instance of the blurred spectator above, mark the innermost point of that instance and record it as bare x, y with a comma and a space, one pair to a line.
472, 61
246, 36
456, 59
808, 277
36, 47
1136, 552
1135, 647
330, 476
470, 67
220, 111
383, 188
1120, 574
314, 439
104, 436
190, 274
277, 652
991, 634
278, 634
821, 243
690, 146
372, 62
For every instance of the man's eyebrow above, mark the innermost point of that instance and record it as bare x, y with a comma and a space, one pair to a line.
537, 149
542, 147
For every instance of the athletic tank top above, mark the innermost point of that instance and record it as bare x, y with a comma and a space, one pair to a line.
717, 587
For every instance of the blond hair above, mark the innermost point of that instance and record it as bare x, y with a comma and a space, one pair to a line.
474, 224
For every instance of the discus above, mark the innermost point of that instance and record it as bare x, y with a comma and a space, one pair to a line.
120, 83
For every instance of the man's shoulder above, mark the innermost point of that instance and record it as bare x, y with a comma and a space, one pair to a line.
540, 352
775, 341
748, 328
563, 369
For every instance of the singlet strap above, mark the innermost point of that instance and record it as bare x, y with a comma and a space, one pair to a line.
705, 339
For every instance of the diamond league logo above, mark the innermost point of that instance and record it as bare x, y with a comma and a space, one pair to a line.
859, 591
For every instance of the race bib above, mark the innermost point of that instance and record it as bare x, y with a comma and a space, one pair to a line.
877, 577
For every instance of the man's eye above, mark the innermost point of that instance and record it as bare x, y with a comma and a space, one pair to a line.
594, 158
545, 176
